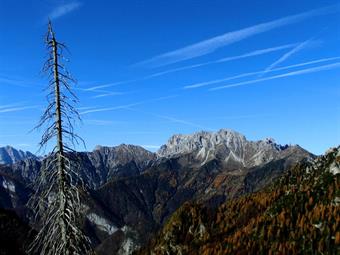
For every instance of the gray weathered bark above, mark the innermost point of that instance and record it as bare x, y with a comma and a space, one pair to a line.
56, 203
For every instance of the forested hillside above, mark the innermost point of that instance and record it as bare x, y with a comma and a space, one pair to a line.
298, 214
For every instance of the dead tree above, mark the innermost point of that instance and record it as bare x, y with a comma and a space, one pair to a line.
57, 204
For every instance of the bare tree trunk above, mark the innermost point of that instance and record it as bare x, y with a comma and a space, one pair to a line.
60, 147
57, 197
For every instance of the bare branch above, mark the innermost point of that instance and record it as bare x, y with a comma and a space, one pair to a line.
57, 201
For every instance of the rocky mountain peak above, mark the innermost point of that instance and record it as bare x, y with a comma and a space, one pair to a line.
128, 151
179, 144
269, 140
225, 144
121, 160
10, 155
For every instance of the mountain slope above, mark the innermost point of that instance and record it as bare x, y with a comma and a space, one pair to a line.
144, 202
9, 155
298, 214
14, 193
95, 168
120, 161
132, 192
230, 147
15, 235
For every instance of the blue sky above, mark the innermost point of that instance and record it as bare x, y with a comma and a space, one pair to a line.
149, 69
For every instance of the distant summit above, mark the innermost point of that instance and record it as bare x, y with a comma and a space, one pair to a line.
298, 213
226, 145
10, 155
132, 192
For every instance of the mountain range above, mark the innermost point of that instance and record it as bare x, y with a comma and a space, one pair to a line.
9, 155
131, 192
296, 214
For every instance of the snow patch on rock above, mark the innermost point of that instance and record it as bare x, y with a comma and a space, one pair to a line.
9, 185
102, 224
334, 168
127, 247
129, 244
9, 155
224, 144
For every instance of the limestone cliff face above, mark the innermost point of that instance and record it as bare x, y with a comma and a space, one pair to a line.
9, 155
298, 213
132, 192
230, 147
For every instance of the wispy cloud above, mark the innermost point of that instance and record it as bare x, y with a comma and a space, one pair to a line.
63, 10
105, 109
107, 94
11, 81
149, 146
16, 135
294, 73
98, 88
227, 59
18, 145
7, 106
19, 82
103, 122
86, 108
138, 133
208, 46
235, 117
243, 75
171, 119
185, 122
22, 145
16, 109
287, 55
108, 85
10, 122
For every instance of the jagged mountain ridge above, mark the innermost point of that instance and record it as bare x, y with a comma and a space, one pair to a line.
146, 201
122, 160
297, 214
96, 167
134, 191
10, 155
226, 145
15, 235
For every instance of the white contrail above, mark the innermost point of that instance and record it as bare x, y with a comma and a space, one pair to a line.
207, 83
103, 122
287, 55
227, 59
149, 146
105, 109
16, 109
171, 119
7, 106
111, 108
108, 94
63, 10
294, 73
208, 46
98, 87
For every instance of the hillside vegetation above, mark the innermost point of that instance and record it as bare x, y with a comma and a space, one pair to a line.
298, 214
